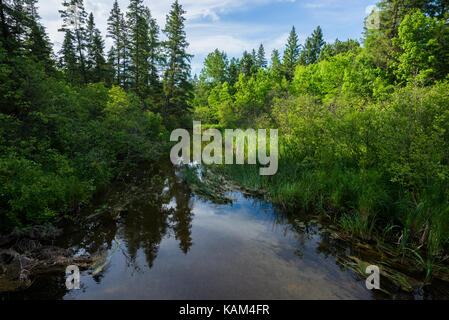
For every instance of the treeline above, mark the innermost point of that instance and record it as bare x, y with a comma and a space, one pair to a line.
157, 71
364, 129
71, 122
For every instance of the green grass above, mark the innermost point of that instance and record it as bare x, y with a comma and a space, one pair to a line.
364, 203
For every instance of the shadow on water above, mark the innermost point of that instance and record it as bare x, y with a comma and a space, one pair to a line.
163, 242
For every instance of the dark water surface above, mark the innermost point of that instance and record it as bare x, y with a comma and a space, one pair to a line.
170, 244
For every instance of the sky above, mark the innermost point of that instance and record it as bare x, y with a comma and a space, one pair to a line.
234, 26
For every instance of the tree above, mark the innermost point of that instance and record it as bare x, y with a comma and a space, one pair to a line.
276, 64
74, 18
68, 61
234, 71
37, 41
312, 47
291, 54
261, 60
215, 67
117, 33
138, 17
176, 85
96, 62
338, 47
248, 64
424, 48
155, 59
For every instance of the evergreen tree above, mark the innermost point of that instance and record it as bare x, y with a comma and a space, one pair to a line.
37, 41
155, 59
276, 64
312, 48
291, 54
138, 18
261, 59
125, 53
68, 60
96, 62
215, 67
117, 33
176, 85
5, 34
333, 49
248, 64
74, 18
234, 71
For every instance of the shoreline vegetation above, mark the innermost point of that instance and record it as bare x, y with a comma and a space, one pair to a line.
363, 129
363, 126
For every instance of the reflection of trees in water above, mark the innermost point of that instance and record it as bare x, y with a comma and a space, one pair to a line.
157, 202
182, 216
150, 217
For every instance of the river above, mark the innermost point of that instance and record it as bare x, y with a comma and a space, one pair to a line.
167, 243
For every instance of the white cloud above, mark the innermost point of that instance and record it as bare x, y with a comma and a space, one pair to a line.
209, 10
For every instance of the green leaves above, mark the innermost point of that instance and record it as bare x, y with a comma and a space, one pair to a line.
423, 48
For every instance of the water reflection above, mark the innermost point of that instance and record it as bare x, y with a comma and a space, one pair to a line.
173, 245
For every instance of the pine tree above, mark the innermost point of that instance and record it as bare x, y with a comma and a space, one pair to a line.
248, 64
276, 64
312, 48
291, 54
176, 85
155, 59
125, 53
5, 34
74, 18
68, 60
96, 62
37, 41
116, 33
234, 71
261, 59
138, 17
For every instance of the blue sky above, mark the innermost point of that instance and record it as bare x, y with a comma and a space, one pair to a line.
237, 25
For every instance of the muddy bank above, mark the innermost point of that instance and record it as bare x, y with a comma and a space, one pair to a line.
27, 253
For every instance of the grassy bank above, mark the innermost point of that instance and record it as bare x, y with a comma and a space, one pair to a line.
363, 203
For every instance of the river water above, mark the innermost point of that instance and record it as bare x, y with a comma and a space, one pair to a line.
168, 243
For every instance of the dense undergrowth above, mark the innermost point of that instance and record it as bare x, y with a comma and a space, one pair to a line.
364, 132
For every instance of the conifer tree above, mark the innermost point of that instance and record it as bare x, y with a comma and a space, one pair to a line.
74, 18
68, 60
138, 17
234, 71
291, 54
312, 48
116, 33
276, 64
155, 59
176, 84
261, 59
96, 62
248, 64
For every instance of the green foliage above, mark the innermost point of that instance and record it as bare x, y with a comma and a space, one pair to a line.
176, 85
312, 48
363, 131
423, 48
291, 54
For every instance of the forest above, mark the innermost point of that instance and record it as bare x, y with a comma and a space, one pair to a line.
363, 123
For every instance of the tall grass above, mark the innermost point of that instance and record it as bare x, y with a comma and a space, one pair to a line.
364, 203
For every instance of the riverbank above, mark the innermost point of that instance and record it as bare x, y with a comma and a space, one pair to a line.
410, 265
